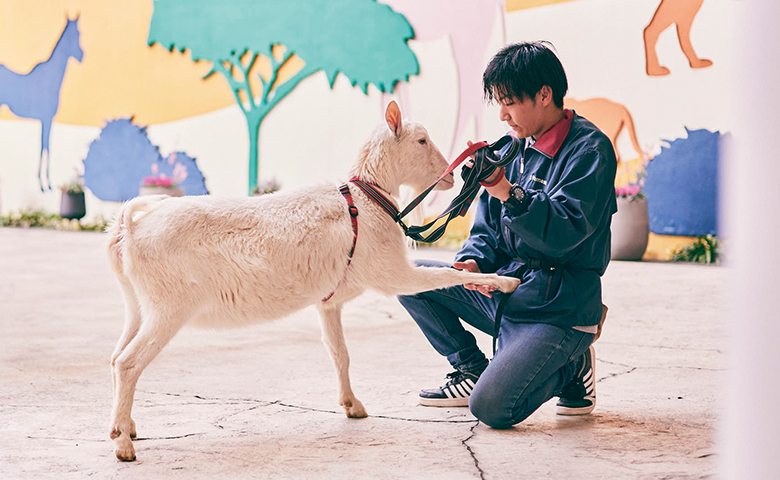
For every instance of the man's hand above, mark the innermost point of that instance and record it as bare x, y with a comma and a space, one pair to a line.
470, 265
499, 190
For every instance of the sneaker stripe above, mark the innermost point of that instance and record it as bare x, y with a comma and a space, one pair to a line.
455, 391
461, 391
469, 384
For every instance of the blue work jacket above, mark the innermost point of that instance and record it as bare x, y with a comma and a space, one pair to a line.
569, 176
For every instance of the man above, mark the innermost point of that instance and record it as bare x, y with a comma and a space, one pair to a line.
546, 220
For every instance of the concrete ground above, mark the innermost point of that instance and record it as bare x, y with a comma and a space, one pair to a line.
261, 402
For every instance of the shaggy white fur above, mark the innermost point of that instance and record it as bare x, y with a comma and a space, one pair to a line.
228, 262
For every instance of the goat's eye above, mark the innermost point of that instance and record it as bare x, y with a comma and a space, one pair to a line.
421, 141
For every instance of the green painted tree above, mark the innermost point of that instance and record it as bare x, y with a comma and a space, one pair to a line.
363, 39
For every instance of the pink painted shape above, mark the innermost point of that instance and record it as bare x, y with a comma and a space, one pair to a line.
469, 25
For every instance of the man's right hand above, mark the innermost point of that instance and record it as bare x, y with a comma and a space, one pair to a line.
470, 265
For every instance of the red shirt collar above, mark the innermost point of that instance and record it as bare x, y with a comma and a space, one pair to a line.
550, 141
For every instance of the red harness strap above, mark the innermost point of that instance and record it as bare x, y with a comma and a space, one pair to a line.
353, 213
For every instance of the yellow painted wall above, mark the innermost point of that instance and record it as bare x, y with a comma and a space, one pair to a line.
120, 75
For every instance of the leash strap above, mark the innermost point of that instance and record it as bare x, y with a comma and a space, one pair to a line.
486, 161
497, 321
353, 214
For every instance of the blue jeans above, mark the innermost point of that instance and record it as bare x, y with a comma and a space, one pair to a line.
533, 361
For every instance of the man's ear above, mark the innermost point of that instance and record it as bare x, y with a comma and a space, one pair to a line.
546, 95
393, 118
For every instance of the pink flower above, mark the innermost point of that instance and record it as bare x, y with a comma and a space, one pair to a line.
629, 191
161, 181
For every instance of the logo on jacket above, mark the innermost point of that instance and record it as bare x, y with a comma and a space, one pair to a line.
538, 180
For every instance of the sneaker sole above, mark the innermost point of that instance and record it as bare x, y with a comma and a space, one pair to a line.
569, 411
444, 402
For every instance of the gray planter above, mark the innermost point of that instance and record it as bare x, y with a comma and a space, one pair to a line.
630, 229
156, 190
72, 205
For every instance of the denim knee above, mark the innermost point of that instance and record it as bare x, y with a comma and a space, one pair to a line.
491, 407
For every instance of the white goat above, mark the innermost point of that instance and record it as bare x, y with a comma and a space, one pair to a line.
228, 262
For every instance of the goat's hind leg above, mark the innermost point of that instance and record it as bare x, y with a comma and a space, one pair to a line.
333, 337
130, 330
155, 332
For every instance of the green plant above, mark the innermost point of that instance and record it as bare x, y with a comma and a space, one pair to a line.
74, 185
703, 250
269, 186
29, 218
39, 218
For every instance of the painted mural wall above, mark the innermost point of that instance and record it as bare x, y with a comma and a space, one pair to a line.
295, 103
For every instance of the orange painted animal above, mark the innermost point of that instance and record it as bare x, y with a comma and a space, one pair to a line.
681, 13
609, 116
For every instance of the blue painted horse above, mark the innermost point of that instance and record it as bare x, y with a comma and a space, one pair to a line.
37, 94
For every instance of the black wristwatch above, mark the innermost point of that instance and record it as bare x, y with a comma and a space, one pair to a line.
517, 198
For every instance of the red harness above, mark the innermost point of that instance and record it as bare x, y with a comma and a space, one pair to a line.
353, 214
458, 207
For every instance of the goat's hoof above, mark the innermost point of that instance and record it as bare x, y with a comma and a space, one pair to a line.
354, 408
124, 451
133, 433
508, 284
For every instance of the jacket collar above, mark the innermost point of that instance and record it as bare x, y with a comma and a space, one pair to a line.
550, 141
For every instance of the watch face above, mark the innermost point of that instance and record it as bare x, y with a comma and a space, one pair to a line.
517, 193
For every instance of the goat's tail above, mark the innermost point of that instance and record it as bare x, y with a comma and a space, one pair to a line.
123, 224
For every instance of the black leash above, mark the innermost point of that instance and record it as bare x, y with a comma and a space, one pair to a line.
486, 161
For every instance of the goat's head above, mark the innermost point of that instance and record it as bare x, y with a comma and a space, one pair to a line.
401, 153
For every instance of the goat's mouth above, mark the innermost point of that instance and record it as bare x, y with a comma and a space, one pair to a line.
446, 183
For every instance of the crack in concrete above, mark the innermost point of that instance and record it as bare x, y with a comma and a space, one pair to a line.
617, 374
141, 439
266, 403
60, 439
613, 363
663, 366
471, 451
692, 349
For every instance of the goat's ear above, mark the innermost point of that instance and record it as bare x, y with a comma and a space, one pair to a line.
393, 118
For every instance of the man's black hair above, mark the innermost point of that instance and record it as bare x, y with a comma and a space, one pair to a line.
521, 70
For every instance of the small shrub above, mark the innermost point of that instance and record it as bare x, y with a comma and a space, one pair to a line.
31, 218
703, 250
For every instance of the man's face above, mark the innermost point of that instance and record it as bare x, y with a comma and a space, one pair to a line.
524, 117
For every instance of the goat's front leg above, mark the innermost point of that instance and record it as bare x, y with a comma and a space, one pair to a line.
405, 279
333, 337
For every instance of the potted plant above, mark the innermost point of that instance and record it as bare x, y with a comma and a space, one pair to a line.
631, 224
72, 204
159, 183
268, 186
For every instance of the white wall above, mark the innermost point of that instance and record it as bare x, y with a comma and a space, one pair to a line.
314, 134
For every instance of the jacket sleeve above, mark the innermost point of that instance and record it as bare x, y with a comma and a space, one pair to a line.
484, 244
555, 223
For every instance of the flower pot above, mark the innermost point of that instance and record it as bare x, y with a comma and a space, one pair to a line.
160, 190
72, 205
630, 229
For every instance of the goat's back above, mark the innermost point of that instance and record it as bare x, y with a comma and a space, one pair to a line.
233, 261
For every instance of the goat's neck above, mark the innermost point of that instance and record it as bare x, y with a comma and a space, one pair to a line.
379, 173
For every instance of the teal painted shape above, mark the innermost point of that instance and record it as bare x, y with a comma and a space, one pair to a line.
363, 39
